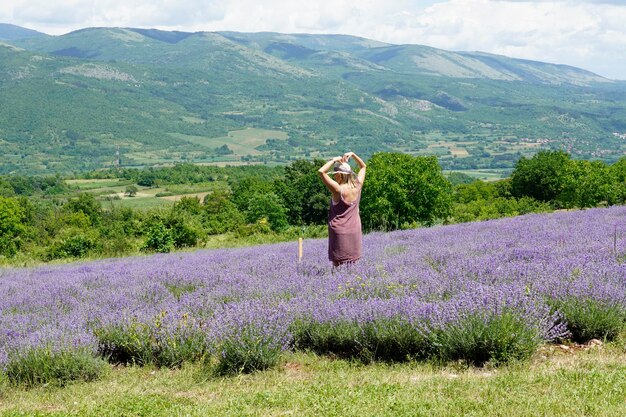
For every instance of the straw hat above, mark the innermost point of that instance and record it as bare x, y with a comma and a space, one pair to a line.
343, 168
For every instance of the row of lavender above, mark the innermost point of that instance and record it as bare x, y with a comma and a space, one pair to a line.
477, 291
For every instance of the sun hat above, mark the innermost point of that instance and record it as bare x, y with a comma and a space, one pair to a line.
343, 168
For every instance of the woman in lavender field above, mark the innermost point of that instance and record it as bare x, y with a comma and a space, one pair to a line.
344, 221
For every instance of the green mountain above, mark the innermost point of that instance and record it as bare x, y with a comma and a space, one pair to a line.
11, 32
73, 102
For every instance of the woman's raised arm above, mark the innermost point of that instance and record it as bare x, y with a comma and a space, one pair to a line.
359, 161
330, 183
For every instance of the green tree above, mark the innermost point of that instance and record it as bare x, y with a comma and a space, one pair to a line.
304, 196
542, 177
477, 190
147, 178
268, 206
87, 204
189, 205
245, 189
618, 179
159, 238
22, 185
457, 178
131, 190
73, 243
401, 189
220, 214
11, 216
6, 190
185, 230
587, 184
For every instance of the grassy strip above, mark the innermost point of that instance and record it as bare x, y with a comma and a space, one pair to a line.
588, 382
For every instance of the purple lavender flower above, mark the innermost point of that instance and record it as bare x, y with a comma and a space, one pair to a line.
427, 278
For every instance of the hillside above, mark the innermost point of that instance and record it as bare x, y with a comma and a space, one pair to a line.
11, 32
227, 97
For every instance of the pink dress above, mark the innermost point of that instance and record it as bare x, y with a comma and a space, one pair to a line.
344, 230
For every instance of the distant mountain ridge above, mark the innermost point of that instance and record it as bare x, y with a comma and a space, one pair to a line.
166, 97
10, 32
410, 59
418, 59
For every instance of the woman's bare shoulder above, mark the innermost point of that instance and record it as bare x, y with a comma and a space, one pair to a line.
350, 194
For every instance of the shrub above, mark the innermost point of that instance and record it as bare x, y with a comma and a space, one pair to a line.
159, 238
117, 243
73, 244
43, 366
189, 205
591, 319
247, 337
261, 227
382, 339
184, 231
8, 246
87, 204
129, 344
249, 352
77, 246
477, 339
342, 339
496, 208
143, 343
221, 215
270, 207
11, 219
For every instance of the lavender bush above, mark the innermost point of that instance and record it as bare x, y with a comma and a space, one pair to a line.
489, 291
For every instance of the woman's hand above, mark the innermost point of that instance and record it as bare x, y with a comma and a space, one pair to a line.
346, 156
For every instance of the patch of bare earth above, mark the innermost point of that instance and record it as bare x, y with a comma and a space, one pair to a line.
295, 370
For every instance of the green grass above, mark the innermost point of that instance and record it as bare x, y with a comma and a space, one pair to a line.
231, 240
554, 383
140, 203
95, 184
146, 197
241, 142
483, 174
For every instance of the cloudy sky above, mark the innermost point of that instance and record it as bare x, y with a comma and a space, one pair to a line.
589, 34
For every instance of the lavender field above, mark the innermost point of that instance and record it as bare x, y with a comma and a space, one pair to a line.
488, 291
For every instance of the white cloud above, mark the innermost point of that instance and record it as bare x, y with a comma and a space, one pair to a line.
619, 2
586, 33
578, 33
57, 17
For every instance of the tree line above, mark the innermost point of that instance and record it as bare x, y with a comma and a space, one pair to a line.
258, 204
